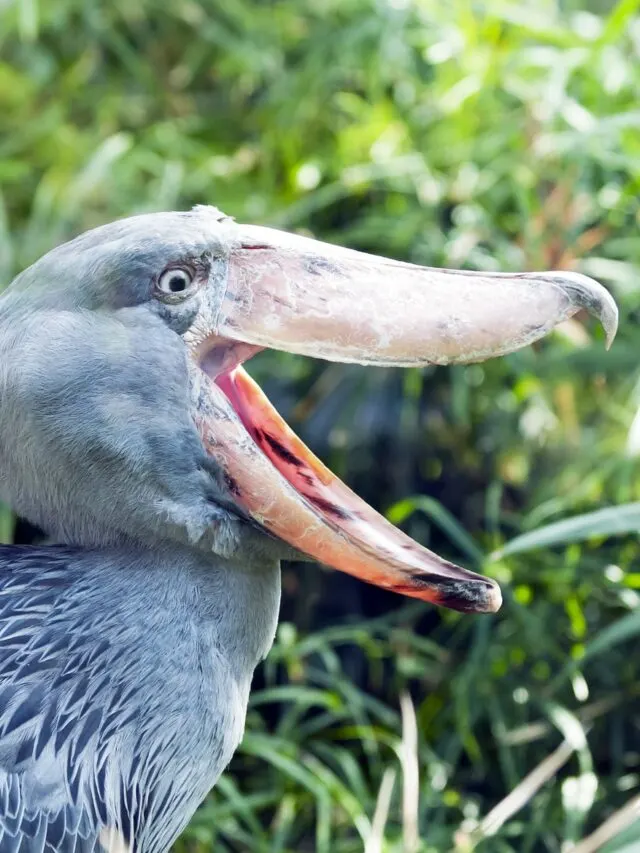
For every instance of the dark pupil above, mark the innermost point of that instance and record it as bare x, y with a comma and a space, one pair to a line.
177, 283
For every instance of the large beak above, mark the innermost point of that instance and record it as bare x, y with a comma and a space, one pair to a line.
298, 295
291, 293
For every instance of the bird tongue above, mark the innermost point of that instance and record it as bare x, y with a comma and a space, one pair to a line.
322, 517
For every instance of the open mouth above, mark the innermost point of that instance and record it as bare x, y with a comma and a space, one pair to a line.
283, 486
300, 296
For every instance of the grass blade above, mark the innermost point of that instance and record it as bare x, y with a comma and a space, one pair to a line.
611, 521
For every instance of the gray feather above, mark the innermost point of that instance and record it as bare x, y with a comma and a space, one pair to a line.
123, 684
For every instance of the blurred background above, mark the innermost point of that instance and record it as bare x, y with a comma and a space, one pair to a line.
488, 135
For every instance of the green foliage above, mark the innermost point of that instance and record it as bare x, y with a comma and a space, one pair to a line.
493, 135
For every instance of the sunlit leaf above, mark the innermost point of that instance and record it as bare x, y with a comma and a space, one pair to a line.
611, 521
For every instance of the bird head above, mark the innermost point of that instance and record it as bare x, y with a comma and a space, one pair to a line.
126, 415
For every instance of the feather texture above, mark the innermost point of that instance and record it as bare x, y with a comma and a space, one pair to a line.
122, 693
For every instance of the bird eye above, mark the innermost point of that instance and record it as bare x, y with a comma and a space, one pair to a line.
175, 281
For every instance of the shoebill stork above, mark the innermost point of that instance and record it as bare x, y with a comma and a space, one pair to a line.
130, 432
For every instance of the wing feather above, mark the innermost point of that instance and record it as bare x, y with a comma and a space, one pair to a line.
50, 798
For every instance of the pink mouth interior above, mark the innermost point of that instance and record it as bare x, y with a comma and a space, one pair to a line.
330, 522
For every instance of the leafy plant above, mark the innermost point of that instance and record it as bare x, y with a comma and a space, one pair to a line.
494, 135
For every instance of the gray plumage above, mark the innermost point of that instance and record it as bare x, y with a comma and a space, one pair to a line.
122, 689
126, 655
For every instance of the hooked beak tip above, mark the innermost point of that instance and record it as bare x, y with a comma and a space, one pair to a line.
586, 293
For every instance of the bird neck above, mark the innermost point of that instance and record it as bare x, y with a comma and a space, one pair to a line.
232, 605
240, 602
